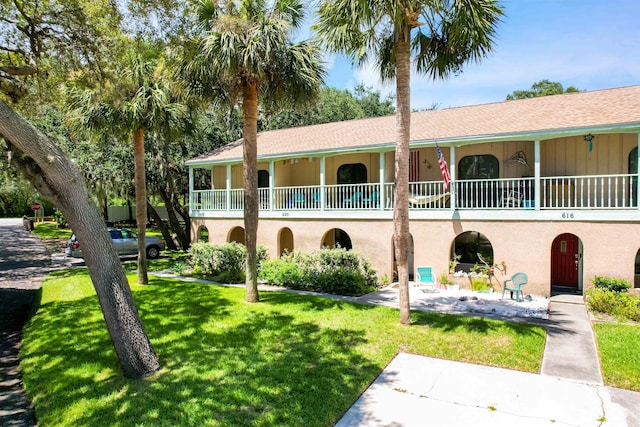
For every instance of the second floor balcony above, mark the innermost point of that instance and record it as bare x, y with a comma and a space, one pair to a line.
568, 193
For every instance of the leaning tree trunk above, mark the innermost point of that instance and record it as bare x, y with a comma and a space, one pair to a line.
57, 178
401, 236
141, 204
168, 196
171, 244
250, 175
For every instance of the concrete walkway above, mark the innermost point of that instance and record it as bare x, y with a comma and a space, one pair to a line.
417, 391
24, 263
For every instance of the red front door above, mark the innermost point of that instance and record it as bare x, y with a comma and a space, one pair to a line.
565, 260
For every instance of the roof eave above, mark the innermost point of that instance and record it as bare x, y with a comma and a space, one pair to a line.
539, 135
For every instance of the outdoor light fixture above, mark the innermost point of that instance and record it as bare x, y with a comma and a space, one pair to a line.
589, 139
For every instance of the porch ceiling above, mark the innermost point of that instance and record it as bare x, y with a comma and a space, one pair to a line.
609, 110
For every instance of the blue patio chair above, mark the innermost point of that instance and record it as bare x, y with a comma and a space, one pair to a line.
372, 200
425, 279
354, 200
517, 282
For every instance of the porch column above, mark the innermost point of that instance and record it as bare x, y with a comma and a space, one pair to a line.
322, 183
228, 187
382, 163
272, 171
191, 207
536, 175
452, 172
637, 189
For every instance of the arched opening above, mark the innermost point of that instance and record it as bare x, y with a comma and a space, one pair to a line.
480, 189
236, 235
636, 277
263, 189
566, 264
411, 263
336, 238
203, 234
352, 173
285, 241
471, 248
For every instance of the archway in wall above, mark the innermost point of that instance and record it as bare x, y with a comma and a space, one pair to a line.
636, 277
566, 264
471, 248
203, 234
336, 237
411, 260
285, 241
236, 235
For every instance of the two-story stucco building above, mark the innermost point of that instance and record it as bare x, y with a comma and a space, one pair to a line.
547, 185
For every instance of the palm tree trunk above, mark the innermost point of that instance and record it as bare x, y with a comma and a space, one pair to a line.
141, 204
58, 179
401, 192
250, 175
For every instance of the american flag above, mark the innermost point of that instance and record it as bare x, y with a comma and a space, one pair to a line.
443, 168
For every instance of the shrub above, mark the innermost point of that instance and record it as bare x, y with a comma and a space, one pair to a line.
223, 263
611, 284
335, 271
622, 305
60, 219
281, 272
479, 284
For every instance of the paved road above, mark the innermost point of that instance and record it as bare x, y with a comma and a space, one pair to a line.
24, 263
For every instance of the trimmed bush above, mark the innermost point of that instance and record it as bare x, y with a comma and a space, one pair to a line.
611, 284
334, 271
622, 305
223, 263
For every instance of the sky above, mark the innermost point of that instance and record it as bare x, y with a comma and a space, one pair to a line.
589, 44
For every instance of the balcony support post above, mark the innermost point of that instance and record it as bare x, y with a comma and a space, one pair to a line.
272, 171
323, 202
382, 155
452, 172
191, 207
536, 175
228, 188
637, 189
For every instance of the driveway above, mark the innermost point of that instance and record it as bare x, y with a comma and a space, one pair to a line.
24, 263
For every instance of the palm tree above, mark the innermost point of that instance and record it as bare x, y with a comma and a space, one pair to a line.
245, 51
141, 99
440, 35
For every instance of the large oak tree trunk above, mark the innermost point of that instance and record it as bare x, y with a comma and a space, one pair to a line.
57, 178
250, 175
141, 203
401, 236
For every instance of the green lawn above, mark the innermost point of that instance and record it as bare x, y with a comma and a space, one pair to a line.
289, 360
50, 230
619, 347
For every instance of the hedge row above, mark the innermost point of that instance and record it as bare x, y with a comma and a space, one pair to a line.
334, 271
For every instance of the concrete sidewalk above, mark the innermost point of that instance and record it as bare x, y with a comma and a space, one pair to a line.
417, 391
422, 391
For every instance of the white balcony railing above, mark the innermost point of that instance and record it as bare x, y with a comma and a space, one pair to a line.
564, 192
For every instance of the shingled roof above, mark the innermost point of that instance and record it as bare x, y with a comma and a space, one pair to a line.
609, 110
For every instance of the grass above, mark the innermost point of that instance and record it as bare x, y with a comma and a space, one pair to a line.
288, 360
619, 347
50, 230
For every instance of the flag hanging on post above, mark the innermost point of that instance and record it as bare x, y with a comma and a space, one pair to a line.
443, 168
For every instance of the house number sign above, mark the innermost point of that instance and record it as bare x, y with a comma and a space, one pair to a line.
567, 215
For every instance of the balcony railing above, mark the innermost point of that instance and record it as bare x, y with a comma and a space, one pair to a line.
564, 192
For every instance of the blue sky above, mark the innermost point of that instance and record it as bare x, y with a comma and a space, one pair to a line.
590, 44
